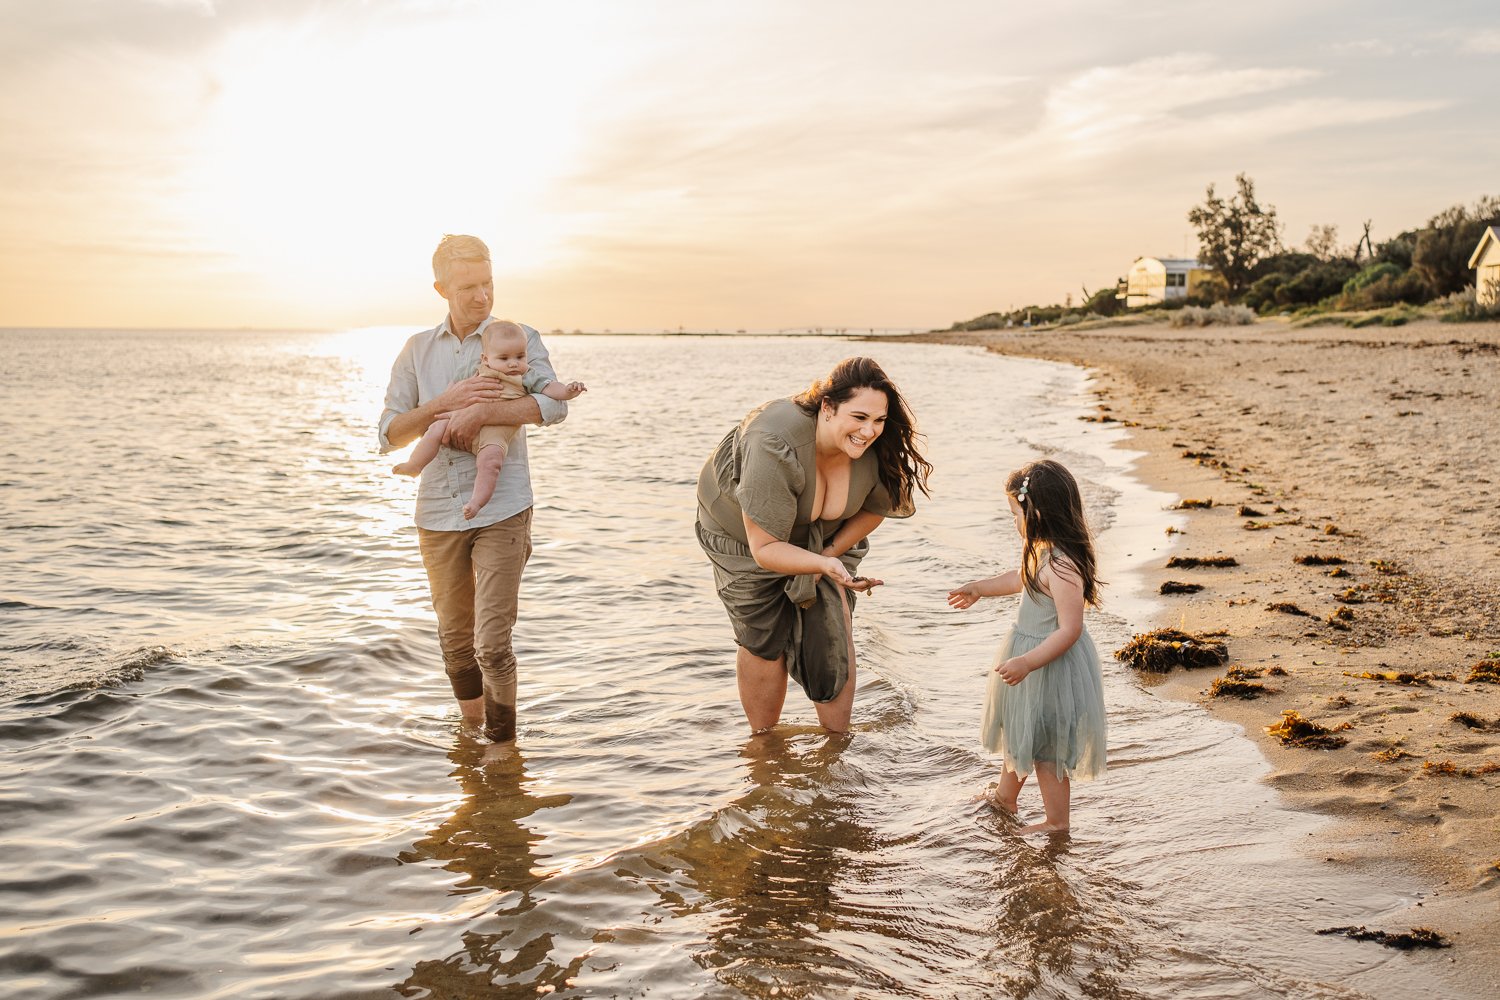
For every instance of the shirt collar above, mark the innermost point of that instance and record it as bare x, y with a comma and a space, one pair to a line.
445, 328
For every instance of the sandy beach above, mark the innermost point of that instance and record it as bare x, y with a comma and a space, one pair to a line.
1374, 447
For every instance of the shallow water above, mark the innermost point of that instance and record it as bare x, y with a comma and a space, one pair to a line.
232, 767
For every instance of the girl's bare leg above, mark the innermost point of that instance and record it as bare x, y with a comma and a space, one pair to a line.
1007, 792
425, 451
834, 715
1056, 796
490, 459
762, 688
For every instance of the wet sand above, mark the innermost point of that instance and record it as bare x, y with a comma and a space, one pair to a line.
1377, 447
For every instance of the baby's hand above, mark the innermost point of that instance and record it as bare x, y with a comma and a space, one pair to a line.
964, 597
575, 389
1013, 671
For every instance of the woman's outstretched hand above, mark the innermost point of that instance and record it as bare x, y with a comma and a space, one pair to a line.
864, 584
964, 597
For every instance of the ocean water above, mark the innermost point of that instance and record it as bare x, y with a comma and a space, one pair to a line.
232, 766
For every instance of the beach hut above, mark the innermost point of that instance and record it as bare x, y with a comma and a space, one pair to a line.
1486, 265
1154, 280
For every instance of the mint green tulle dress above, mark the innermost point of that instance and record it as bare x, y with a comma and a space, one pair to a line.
1055, 717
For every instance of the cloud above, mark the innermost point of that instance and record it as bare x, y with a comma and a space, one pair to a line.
1485, 42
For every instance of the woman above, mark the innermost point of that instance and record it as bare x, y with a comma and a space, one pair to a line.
785, 504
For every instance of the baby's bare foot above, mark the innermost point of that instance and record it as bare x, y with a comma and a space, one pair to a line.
406, 469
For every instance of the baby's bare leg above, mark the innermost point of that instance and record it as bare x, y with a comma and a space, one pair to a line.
489, 460
425, 451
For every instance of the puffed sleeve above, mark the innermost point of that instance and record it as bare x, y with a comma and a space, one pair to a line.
878, 501
768, 479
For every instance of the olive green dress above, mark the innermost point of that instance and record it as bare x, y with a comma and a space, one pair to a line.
766, 468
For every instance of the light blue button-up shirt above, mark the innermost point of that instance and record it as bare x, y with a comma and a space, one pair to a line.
428, 364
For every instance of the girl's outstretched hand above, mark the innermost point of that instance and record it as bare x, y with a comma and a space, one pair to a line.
864, 584
964, 597
1013, 671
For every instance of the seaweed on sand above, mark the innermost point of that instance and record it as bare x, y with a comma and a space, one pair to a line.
1233, 687
1486, 671
1390, 755
1194, 504
1386, 567
1288, 608
1417, 937
1161, 650
1452, 770
1423, 679
1339, 571
1295, 731
1178, 587
1317, 560
1245, 511
1193, 562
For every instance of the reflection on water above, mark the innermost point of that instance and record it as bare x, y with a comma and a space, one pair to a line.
487, 841
233, 769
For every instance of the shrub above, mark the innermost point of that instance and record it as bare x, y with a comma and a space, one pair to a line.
1220, 315
1464, 307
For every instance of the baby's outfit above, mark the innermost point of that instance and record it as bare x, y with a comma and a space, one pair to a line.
511, 387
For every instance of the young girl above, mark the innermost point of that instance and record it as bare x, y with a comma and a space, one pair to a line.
1044, 709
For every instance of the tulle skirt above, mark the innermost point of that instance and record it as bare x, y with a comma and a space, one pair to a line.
1054, 717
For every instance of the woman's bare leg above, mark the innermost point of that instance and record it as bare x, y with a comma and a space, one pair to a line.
762, 688
425, 451
834, 715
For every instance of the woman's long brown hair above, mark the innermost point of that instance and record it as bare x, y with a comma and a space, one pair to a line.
902, 467
1053, 509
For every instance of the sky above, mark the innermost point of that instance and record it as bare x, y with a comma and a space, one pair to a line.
656, 164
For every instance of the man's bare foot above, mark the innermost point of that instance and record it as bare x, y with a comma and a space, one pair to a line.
407, 469
497, 752
1042, 828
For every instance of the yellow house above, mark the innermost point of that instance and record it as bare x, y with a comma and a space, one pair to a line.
1486, 265
1154, 280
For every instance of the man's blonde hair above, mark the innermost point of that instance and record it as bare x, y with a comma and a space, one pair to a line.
454, 249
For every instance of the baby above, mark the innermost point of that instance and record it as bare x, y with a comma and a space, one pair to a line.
503, 359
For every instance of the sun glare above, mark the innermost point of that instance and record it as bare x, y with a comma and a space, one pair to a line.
360, 149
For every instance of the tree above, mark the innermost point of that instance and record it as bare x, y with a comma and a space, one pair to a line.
1323, 242
1441, 255
1234, 235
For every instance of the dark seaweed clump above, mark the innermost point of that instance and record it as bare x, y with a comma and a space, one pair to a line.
1178, 587
1295, 731
1317, 560
1288, 608
1161, 650
1417, 937
1486, 671
1250, 512
1193, 562
1239, 682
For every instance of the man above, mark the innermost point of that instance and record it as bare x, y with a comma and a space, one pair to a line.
473, 566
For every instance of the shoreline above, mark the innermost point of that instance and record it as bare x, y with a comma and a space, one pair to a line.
1368, 446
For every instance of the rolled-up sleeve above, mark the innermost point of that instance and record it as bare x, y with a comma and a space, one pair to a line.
401, 394
538, 362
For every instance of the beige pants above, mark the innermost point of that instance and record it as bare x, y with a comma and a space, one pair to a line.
475, 578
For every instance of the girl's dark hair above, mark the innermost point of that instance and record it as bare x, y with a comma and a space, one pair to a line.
902, 466
1053, 508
